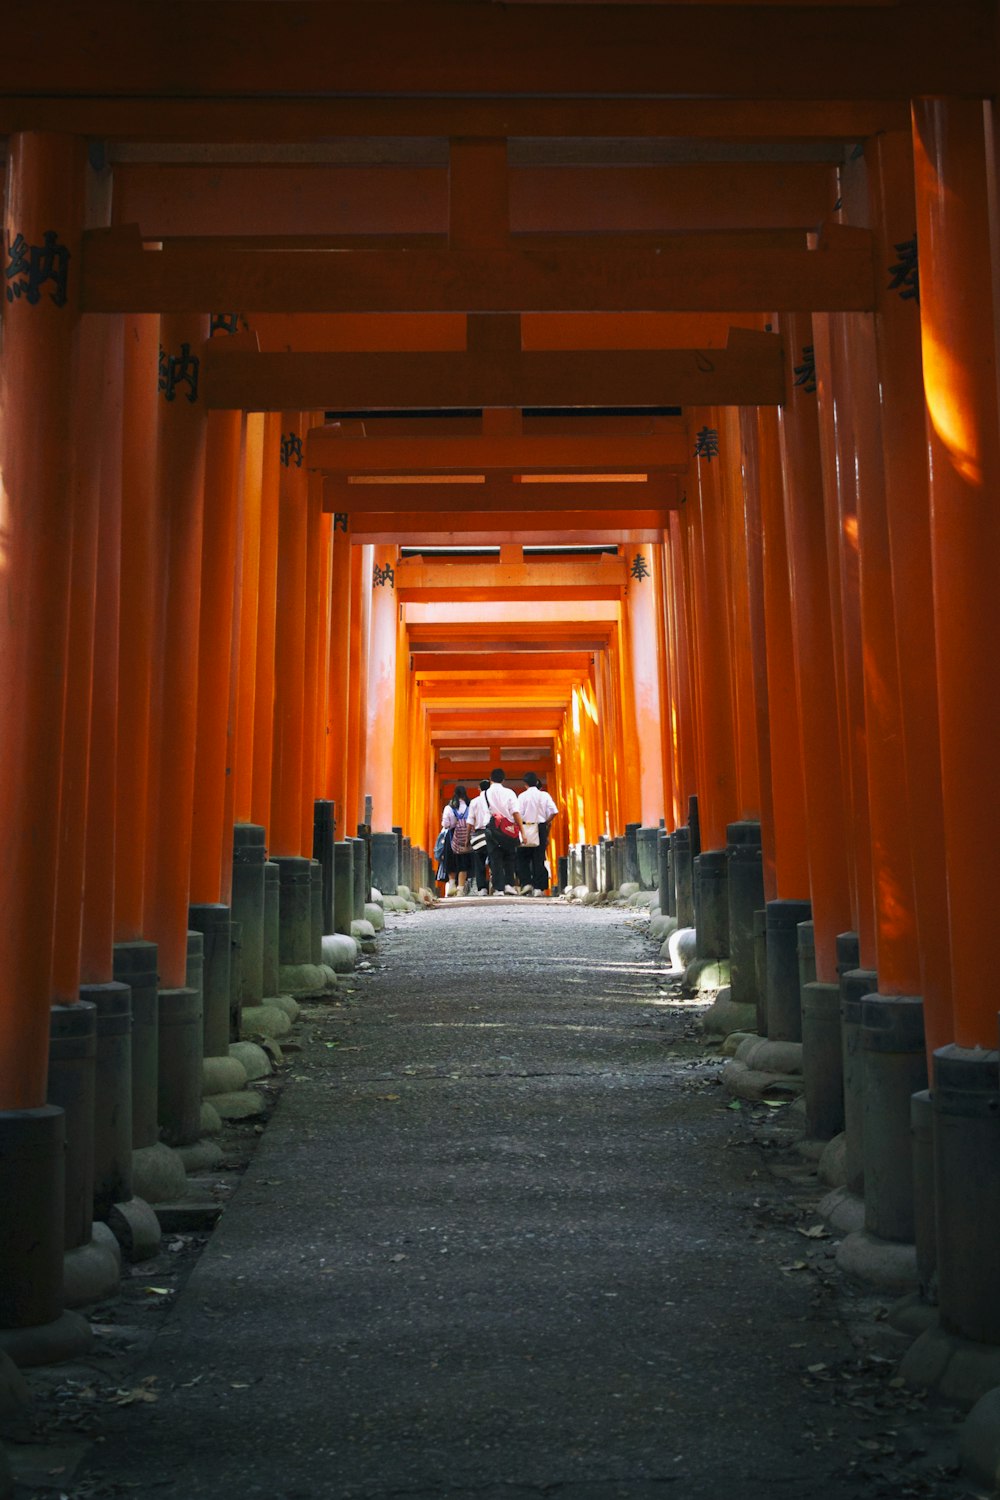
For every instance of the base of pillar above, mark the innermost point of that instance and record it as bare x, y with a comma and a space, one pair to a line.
628, 888
200, 1156
661, 927
157, 1173
706, 976
263, 1022
375, 914
310, 981
66, 1337
725, 1015
253, 1060
958, 1369
764, 1070
843, 1210
136, 1229
244, 1104
340, 952
91, 1272
979, 1441
222, 1075
912, 1314
884, 1264
832, 1165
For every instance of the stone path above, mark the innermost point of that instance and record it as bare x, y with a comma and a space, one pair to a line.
493, 1244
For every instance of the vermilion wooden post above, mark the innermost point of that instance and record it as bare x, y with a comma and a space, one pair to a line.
718, 801
964, 449
285, 822
812, 624
753, 514
740, 631
211, 838
248, 563
663, 660
845, 599
310, 705
45, 187
360, 579
643, 635
267, 584
96, 955
901, 398
682, 727
787, 789
340, 669
364, 649
379, 734
180, 477
140, 543
85, 503
322, 688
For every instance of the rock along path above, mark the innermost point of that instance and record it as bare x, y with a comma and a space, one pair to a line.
492, 1245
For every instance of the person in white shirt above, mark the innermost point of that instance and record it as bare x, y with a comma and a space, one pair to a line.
537, 810
502, 802
479, 817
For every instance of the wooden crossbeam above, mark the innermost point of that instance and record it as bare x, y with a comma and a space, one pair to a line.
665, 273
749, 372
553, 528
502, 661
298, 48
417, 579
499, 496
327, 448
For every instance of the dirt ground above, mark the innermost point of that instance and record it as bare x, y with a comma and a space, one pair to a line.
504, 1234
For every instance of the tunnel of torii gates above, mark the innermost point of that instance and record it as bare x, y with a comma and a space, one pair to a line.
622, 304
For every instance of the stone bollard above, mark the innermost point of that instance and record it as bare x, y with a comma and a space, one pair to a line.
360, 867
855, 984
822, 1058
645, 848
680, 846
294, 910
113, 1095
316, 912
631, 850
590, 867
343, 885
270, 966
72, 1083
135, 964
235, 979
385, 862
404, 865
323, 840
967, 1161
365, 837
180, 1080
924, 1193
563, 875
784, 1004
805, 948
34, 1329
212, 920
746, 895
712, 933
895, 1068
249, 856
760, 967
663, 880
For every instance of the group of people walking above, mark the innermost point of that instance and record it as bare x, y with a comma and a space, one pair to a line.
495, 844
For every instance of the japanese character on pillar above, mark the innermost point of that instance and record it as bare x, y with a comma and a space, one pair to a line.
340, 521
639, 568
226, 323
30, 267
805, 373
291, 448
706, 444
382, 576
904, 273
178, 369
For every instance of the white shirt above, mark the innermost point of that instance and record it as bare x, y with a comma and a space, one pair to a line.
449, 817
479, 813
501, 799
536, 806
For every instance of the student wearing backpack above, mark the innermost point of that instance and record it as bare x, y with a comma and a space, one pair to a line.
457, 843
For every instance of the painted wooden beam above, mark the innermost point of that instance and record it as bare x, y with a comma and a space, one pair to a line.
498, 496
297, 48
748, 372
660, 273
329, 449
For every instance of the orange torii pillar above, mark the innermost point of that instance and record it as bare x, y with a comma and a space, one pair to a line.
212, 834
957, 330
157, 1173
685, 841
180, 475
718, 801
314, 838
340, 663
682, 732
641, 608
897, 334
295, 937
43, 219
318, 624
790, 906
248, 851
263, 707
380, 730
816, 689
